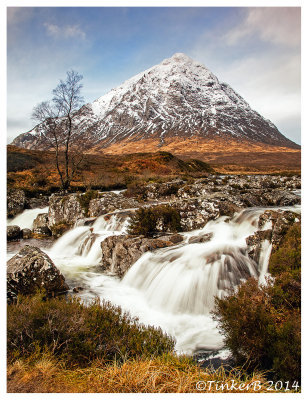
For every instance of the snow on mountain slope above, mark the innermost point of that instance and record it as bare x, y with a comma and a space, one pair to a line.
176, 98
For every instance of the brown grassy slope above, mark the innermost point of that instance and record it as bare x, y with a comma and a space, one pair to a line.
119, 165
224, 155
36, 169
168, 374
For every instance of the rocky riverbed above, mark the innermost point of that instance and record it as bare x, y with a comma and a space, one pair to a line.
228, 227
197, 202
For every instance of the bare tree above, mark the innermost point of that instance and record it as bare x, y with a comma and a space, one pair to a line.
58, 126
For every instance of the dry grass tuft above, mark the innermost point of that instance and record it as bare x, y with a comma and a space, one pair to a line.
166, 374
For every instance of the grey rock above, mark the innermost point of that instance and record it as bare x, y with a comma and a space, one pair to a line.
200, 238
40, 225
32, 269
64, 209
26, 233
174, 238
254, 243
280, 197
37, 202
110, 202
78, 289
119, 253
13, 232
195, 213
278, 223
16, 200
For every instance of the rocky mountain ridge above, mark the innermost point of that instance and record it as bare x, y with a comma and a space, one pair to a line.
176, 100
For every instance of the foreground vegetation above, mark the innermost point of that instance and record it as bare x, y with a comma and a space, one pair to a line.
62, 345
77, 333
262, 324
164, 374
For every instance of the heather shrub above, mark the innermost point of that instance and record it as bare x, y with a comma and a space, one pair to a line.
77, 333
261, 325
148, 221
288, 255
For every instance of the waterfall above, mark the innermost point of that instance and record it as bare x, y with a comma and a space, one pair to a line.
80, 247
186, 279
172, 288
266, 250
26, 218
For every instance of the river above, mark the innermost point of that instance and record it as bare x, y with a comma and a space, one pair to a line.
173, 288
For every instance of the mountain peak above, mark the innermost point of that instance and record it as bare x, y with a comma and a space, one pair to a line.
178, 98
180, 57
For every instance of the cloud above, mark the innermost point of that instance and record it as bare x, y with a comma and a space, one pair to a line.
65, 31
273, 25
259, 56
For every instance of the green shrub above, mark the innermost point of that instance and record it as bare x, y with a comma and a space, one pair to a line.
288, 256
84, 199
148, 221
77, 333
261, 325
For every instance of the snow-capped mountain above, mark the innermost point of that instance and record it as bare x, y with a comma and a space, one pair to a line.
177, 99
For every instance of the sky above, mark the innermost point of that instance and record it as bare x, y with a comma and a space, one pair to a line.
256, 50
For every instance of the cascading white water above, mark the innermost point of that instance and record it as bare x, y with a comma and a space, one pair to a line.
187, 279
26, 218
266, 250
80, 247
173, 288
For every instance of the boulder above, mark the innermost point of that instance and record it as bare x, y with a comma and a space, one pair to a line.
195, 213
273, 225
16, 200
37, 202
26, 233
78, 289
110, 202
32, 269
40, 225
254, 198
119, 253
155, 191
13, 232
173, 237
228, 208
64, 209
280, 221
279, 197
254, 243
